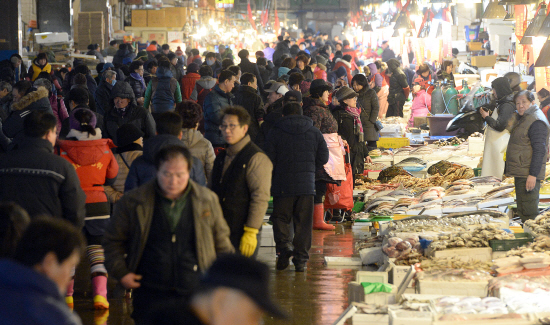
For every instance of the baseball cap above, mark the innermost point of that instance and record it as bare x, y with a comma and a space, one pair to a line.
277, 87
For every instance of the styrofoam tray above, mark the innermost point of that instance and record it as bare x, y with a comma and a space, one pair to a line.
460, 288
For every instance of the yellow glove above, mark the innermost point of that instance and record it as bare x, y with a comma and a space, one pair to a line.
249, 241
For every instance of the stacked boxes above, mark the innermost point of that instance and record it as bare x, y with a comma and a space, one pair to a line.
139, 18
175, 17
155, 18
166, 17
91, 29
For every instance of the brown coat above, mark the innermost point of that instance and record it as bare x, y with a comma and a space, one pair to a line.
127, 234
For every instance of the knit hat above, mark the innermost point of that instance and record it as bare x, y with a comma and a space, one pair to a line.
151, 48
341, 72
344, 93
127, 61
179, 52
142, 55
502, 86
319, 86
107, 66
127, 134
282, 71
193, 68
75, 124
321, 60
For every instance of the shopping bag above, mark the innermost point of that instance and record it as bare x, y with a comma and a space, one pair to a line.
341, 197
335, 165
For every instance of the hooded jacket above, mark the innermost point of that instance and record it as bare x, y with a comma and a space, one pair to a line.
23, 286
162, 92
120, 55
203, 86
504, 105
95, 166
41, 182
188, 85
136, 115
125, 156
296, 149
248, 98
37, 100
343, 63
143, 168
214, 103
398, 82
200, 148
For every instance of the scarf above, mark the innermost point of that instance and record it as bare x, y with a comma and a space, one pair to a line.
356, 113
136, 76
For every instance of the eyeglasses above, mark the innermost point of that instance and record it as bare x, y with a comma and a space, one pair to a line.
231, 127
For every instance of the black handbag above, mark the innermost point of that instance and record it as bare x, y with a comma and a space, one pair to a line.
378, 126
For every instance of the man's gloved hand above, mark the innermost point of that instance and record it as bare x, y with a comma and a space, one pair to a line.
249, 241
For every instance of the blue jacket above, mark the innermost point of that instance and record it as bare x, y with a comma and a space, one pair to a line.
29, 297
163, 98
297, 149
143, 168
214, 103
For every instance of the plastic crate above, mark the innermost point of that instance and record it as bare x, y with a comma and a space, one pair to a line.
508, 244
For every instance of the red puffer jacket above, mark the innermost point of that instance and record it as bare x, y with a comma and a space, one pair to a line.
94, 162
188, 84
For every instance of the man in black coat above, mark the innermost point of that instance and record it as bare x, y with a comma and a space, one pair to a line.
399, 88
297, 149
37, 179
248, 98
102, 95
247, 66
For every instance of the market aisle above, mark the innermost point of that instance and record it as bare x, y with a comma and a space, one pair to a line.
317, 296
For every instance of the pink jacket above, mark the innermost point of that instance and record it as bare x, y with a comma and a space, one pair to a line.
421, 105
59, 111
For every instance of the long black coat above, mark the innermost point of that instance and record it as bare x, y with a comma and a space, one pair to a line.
250, 67
348, 131
368, 102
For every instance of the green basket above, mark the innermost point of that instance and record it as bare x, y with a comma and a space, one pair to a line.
477, 172
508, 244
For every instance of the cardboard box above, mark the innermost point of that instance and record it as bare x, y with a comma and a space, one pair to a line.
160, 37
175, 17
484, 61
156, 18
139, 18
474, 46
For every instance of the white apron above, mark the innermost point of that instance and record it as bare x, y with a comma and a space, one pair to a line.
494, 150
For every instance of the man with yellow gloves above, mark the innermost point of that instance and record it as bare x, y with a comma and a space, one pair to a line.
242, 179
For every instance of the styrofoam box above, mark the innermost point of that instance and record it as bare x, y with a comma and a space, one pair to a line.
484, 254
456, 288
356, 292
373, 255
46, 38
496, 202
409, 317
267, 239
370, 319
488, 319
371, 276
398, 273
385, 160
475, 144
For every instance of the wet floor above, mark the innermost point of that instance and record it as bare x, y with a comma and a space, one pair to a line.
317, 296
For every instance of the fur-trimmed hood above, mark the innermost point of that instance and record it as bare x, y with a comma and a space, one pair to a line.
348, 64
37, 99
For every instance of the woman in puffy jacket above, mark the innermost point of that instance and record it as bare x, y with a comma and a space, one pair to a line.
95, 166
422, 101
367, 101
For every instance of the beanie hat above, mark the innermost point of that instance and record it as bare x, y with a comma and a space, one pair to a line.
142, 55
126, 134
107, 66
151, 48
126, 61
75, 124
193, 68
344, 93
341, 72
179, 52
318, 87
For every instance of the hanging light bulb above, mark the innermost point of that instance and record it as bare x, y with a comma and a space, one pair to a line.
494, 11
536, 23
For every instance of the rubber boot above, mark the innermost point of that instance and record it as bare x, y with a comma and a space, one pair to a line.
319, 218
69, 296
99, 286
